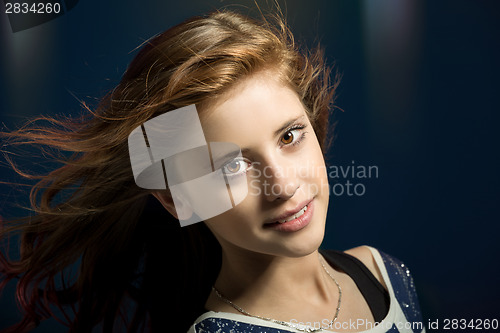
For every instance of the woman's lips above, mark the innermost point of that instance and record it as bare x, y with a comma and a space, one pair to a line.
295, 224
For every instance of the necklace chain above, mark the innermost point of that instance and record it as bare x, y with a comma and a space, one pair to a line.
284, 323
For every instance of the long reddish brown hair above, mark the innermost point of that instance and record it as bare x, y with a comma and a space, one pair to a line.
135, 266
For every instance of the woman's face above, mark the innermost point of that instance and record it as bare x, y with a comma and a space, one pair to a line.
282, 165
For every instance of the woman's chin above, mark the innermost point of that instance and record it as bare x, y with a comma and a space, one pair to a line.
303, 246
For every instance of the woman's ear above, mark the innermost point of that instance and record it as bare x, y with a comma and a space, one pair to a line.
179, 208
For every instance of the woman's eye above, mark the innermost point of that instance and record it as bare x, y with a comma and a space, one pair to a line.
287, 138
292, 136
235, 167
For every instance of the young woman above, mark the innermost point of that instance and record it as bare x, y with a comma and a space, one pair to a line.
255, 267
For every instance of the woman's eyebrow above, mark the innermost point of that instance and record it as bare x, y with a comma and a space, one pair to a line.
286, 125
219, 160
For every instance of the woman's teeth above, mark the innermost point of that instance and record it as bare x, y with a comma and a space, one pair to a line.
293, 217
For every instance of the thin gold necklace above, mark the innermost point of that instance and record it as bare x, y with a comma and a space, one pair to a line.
284, 323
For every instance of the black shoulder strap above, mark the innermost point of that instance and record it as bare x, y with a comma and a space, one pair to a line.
372, 290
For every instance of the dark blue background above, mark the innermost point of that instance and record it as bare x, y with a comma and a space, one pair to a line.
419, 93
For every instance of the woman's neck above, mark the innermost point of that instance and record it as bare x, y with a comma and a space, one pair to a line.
259, 280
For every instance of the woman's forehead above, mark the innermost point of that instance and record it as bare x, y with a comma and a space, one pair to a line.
255, 106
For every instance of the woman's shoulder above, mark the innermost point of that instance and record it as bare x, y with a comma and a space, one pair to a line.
384, 267
395, 275
378, 262
365, 254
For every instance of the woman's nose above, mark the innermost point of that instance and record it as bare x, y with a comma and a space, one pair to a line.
279, 180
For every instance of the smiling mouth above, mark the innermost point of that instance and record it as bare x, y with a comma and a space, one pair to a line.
293, 217
294, 222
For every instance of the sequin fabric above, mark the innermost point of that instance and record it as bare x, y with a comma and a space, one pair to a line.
219, 325
404, 287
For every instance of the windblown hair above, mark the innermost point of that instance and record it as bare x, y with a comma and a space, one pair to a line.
136, 267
